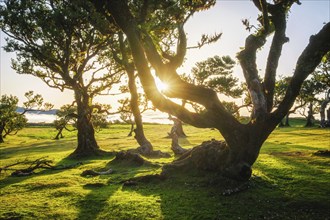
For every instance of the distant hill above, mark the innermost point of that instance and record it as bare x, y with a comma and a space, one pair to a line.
38, 112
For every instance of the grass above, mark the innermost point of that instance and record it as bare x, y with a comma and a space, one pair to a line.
289, 182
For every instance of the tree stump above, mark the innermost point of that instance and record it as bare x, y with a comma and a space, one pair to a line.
176, 128
175, 147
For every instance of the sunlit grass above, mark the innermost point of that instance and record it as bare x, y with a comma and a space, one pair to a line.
288, 182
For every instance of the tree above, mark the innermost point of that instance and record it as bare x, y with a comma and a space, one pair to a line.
67, 115
125, 111
12, 121
123, 58
322, 74
281, 86
216, 73
144, 25
55, 42
309, 93
324, 122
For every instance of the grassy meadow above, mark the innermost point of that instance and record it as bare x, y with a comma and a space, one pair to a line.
289, 181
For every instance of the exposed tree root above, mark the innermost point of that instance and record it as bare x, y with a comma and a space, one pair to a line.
96, 173
210, 156
150, 154
129, 158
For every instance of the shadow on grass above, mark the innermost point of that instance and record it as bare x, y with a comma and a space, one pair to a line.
304, 183
96, 200
41, 147
272, 147
200, 196
66, 163
95, 205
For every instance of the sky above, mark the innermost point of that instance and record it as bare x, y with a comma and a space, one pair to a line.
304, 20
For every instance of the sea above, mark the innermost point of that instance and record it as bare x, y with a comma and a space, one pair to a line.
40, 117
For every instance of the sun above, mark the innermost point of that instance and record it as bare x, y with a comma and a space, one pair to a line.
161, 86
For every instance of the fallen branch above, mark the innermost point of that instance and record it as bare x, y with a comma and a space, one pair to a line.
40, 163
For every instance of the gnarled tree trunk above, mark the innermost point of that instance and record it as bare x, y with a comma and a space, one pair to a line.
322, 110
237, 154
145, 145
310, 117
176, 128
87, 145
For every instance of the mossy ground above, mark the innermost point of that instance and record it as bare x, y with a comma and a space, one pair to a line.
288, 181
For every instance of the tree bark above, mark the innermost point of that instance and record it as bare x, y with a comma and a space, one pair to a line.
281, 124
2, 127
145, 145
87, 145
1, 138
310, 117
131, 131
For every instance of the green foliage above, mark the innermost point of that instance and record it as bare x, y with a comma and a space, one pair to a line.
216, 73
55, 41
289, 182
10, 120
322, 72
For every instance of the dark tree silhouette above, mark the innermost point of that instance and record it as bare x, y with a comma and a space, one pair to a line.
234, 157
55, 42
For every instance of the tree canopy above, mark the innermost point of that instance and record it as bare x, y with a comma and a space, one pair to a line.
55, 41
140, 23
61, 42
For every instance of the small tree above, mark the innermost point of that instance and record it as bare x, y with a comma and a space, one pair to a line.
309, 93
10, 120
